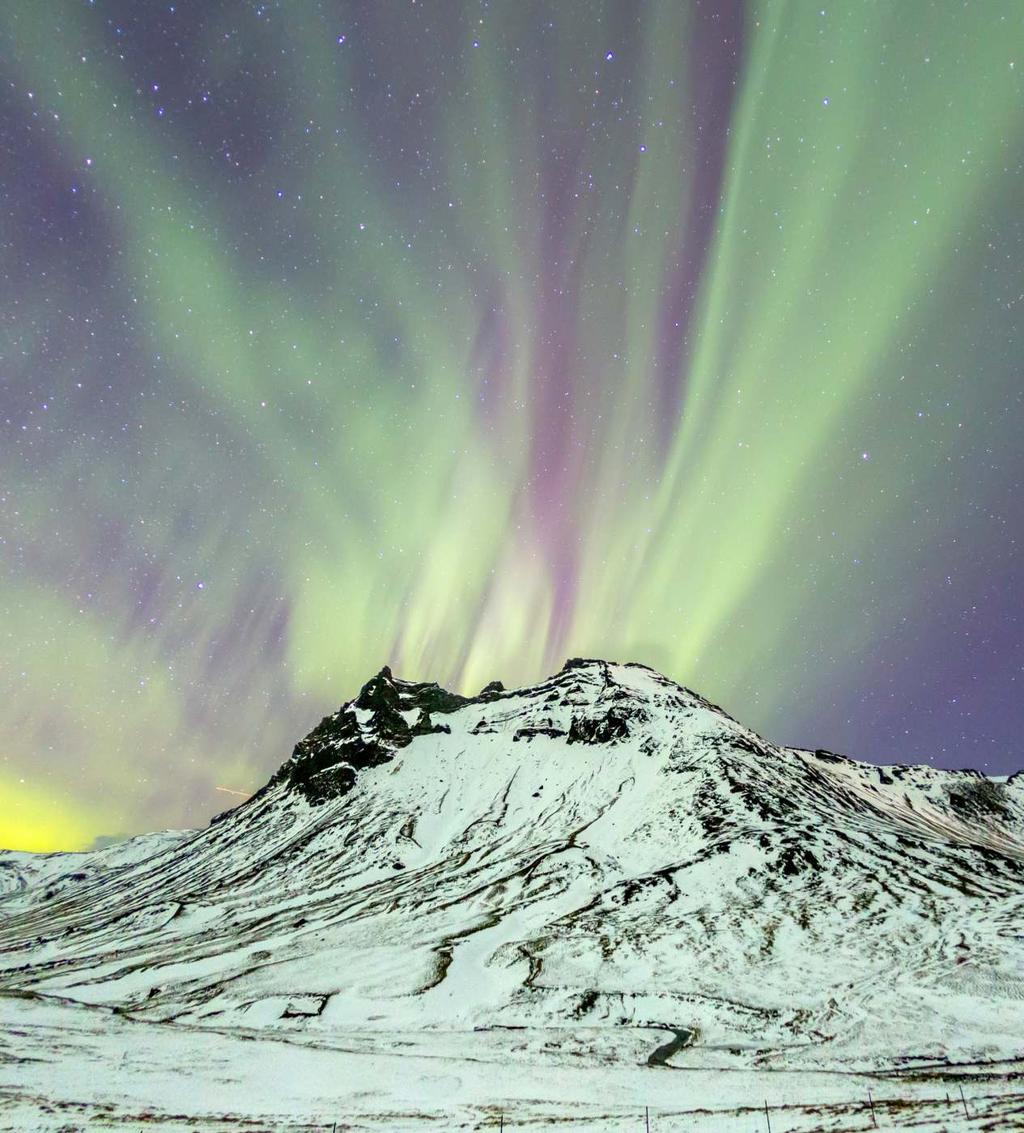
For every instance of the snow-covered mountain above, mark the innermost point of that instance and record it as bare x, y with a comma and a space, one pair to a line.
603, 868
26, 878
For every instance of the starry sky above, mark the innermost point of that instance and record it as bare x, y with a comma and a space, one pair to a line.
469, 335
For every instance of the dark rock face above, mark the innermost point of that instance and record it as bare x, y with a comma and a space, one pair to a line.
613, 725
379, 693
531, 730
386, 697
424, 725
583, 663
831, 756
325, 764
978, 798
432, 698
796, 858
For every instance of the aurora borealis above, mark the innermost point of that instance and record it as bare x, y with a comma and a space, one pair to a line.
469, 336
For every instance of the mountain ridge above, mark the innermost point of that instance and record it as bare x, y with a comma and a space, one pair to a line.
604, 850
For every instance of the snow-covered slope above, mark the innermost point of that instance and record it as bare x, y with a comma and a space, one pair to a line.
598, 855
26, 878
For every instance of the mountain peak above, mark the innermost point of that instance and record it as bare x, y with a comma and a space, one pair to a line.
588, 701
603, 851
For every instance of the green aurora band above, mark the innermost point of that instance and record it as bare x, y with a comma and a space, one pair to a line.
392, 381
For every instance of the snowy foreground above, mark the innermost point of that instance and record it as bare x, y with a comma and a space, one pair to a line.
552, 907
71, 1067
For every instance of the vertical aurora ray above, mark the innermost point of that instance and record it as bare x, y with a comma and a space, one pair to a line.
467, 339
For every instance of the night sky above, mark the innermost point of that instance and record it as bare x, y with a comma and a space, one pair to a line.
470, 336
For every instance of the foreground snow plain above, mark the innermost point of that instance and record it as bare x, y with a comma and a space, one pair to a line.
69, 1067
549, 907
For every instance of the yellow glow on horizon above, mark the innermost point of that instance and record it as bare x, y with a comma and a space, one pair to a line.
34, 819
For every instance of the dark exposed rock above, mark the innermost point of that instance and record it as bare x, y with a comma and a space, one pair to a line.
491, 691
385, 694
424, 725
613, 725
587, 1002
379, 693
305, 1007
530, 731
745, 743
831, 757
325, 764
978, 798
433, 698
583, 663
796, 858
